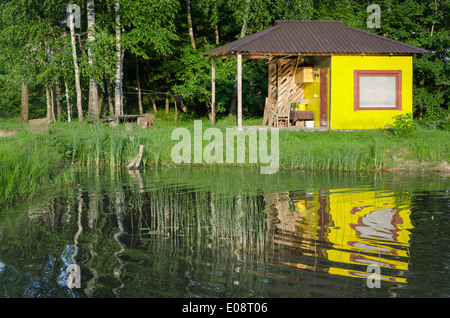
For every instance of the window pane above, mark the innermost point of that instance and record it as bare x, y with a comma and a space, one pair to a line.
377, 91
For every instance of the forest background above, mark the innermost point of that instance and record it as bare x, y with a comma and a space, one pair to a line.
134, 56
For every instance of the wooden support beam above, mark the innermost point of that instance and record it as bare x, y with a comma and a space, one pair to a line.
213, 91
239, 91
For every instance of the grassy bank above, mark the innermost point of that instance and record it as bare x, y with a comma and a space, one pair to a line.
30, 162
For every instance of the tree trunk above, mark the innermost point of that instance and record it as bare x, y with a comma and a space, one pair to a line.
216, 23
53, 102
100, 95
119, 56
58, 98
167, 105
93, 92
434, 16
49, 103
155, 110
216, 31
191, 28
110, 95
138, 83
77, 71
245, 21
176, 111
69, 108
25, 102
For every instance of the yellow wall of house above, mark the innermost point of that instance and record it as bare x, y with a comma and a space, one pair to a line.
312, 94
342, 114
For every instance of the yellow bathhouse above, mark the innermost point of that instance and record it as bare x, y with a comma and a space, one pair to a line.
327, 75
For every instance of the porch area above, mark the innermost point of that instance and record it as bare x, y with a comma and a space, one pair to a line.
297, 92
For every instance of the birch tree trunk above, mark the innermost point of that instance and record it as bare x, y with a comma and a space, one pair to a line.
24, 111
138, 83
245, 20
434, 16
49, 103
76, 68
216, 23
69, 108
58, 98
53, 102
110, 95
93, 90
191, 28
216, 31
119, 56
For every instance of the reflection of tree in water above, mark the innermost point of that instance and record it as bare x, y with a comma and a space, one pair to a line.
124, 223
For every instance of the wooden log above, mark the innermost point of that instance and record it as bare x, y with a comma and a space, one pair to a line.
136, 162
266, 111
285, 108
272, 90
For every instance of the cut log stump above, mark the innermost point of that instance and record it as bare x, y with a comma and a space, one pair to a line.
136, 162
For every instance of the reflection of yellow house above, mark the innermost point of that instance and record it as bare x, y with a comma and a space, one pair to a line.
364, 228
368, 228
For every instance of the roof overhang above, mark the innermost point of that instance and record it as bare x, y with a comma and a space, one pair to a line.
270, 56
312, 38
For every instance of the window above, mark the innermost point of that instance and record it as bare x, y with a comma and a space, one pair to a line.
376, 90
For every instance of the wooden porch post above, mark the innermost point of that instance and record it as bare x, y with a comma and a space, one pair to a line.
239, 91
213, 91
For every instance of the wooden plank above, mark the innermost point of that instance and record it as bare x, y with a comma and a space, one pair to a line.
287, 84
273, 92
285, 108
297, 93
266, 111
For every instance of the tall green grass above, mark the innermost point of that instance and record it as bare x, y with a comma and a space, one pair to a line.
98, 144
29, 163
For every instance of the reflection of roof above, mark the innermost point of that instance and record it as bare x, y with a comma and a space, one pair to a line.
314, 37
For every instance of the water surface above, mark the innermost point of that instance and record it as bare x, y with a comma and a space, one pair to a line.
230, 233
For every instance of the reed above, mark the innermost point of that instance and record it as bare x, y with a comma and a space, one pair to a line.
27, 166
100, 145
31, 162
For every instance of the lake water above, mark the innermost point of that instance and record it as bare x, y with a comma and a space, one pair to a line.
201, 233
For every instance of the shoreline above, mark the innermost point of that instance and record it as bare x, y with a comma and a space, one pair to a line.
98, 145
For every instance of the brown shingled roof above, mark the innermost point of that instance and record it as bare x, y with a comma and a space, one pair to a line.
314, 38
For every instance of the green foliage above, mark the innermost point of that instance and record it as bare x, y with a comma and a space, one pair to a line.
27, 164
403, 125
34, 47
